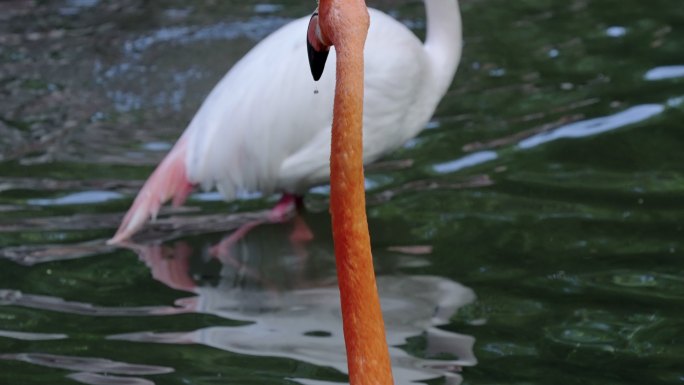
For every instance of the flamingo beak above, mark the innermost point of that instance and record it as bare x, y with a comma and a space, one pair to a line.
318, 51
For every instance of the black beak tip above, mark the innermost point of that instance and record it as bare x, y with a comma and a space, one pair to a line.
318, 54
317, 60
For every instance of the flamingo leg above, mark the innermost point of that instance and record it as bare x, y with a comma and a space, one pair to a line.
280, 213
286, 204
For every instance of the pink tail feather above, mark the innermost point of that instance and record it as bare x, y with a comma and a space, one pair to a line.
169, 180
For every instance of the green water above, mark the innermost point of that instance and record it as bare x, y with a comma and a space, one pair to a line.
540, 216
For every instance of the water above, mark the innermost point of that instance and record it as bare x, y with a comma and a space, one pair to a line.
531, 235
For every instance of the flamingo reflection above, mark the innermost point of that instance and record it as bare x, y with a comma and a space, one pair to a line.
282, 283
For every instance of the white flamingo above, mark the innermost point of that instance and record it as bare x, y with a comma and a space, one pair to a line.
263, 128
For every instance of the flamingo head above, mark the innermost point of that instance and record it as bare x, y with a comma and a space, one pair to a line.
317, 47
333, 22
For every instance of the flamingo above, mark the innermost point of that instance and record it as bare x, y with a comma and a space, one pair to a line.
343, 24
263, 128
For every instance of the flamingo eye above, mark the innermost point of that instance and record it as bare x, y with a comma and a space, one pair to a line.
318, 52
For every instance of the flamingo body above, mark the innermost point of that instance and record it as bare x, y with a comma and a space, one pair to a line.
262, 127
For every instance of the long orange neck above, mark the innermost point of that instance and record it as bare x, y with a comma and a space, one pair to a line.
364, 331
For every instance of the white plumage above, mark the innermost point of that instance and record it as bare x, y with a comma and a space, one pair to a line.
262, 127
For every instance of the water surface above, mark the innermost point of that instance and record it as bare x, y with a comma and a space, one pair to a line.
530, 235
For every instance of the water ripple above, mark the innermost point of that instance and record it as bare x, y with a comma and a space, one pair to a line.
653, 285
31, 336
87, 364
78, 198
595, 126
305, 323
107, 379
32, 255
42, 302
466, 161
616, 31
665, 72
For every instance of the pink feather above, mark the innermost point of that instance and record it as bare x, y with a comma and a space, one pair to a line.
169, 180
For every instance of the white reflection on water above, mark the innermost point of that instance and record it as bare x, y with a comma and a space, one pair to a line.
78, 198
23, 336
285, 289
157, 146
87, 364
595, 126
616, 31
92, 370
43, 302
464, 162
665, 72
675, 102
306, 325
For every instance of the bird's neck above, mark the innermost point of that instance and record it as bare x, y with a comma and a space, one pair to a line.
364, 332
443, 42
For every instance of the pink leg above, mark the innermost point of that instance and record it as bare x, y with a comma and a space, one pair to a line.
221, 250
300, 237
278, 214
301, 234
285, 205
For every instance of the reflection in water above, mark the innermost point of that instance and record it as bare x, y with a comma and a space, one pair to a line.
598, 219
616, 31
31, 336
78, 198
94, 371
579, 129
43, 302
665, 72
464, 162
595, 126
85, 364
284, 287
32, 255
